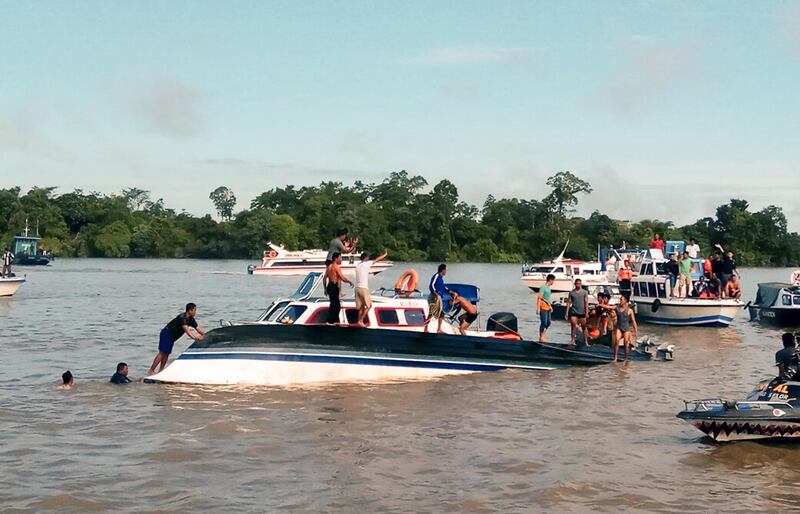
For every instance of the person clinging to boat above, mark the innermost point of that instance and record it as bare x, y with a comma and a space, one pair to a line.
470, 311
181, 324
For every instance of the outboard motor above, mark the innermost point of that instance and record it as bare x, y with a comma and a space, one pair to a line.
502, 322
250, 269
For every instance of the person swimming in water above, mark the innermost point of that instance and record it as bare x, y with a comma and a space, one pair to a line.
68, 381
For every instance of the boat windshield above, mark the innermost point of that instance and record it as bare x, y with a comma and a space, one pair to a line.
541, 269
273, 314
306, 286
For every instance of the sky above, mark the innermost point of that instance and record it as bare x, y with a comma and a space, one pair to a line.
668, 108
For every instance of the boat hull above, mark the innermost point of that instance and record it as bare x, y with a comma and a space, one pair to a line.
686, 312
733, 425
9, 286
296, 354
780, 317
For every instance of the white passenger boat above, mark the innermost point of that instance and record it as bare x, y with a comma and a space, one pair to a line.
654, 304
280, 262
289, 344
566, 272
9, 285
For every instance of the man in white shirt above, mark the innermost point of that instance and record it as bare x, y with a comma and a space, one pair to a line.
8, 258
693, 249
363, 300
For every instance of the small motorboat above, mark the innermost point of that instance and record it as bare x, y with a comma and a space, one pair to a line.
566, 272
10, 284
283, 263
770, 412
290, 344
776, 303
28, 251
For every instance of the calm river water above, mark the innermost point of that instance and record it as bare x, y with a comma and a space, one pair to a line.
603, 438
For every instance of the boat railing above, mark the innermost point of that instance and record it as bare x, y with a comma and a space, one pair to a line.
719, 404
391, 293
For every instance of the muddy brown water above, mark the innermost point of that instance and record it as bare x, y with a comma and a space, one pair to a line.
603, 438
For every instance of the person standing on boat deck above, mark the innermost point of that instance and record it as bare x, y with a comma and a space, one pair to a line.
121, 375
672, 269
544, 306
363, 299
334, 278
693, 248
8, 258
786, 359
338, 245
657, 243
180, 324
716, 267
627, 329
625, 275
708, 267
470, 312
577, 309
436, 297
728, 266
685, 279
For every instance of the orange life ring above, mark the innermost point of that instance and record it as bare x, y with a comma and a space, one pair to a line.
407, 282
272, 254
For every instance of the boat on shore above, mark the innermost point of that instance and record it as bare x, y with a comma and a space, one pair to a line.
289, 344
9, 285
770, 412
776, 303
280, 262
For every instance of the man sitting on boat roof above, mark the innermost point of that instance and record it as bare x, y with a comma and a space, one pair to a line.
338, 245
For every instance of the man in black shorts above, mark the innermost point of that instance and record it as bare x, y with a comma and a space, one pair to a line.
577, 308
470, 312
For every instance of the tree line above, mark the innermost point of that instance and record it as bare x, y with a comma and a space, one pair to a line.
402, 213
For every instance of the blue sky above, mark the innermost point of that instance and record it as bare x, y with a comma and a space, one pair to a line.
668, 108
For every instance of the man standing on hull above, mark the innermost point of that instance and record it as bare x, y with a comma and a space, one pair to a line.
181, 324
334, 278
363, 300
577, 308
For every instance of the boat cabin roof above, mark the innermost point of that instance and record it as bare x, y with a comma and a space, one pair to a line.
768, 292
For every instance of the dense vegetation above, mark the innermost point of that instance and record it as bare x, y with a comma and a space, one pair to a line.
402, 214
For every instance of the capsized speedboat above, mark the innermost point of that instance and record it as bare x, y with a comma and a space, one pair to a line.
290, 344
771, 411
10, 284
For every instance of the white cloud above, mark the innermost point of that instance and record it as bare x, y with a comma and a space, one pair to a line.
170, 108
471, 54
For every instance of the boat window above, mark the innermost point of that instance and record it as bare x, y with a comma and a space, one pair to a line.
414, 316
539, 269
387, 317
660, 269
651, 289
352, 316
286, 264
292, 313
662, 290
787, 299
273, 314
797, 300
305, 287
319, 317
636, 288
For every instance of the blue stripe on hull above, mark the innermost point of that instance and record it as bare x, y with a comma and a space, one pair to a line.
702, 321
340, 359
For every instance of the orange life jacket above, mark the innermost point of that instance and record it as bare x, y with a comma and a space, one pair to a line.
625, 274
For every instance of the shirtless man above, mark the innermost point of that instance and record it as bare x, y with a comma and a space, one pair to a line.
733, 288
334, 278
470, 312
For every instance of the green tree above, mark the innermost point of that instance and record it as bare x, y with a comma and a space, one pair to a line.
224, 201
114, 240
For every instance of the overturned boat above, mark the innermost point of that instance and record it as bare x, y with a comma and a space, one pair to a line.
770, 412
290, 344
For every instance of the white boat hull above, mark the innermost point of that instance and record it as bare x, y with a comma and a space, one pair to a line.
9, 286
687, 311
301, 271
285, 368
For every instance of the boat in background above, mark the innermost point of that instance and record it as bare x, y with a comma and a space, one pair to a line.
280, 262
10, 284
28, 252
566, 272
776, 303
770, 412
652, 295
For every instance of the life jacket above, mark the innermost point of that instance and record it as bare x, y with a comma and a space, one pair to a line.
625, 274
543, 305
707, 265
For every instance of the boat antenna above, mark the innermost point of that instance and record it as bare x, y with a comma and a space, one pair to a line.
26, 227
37, 227
561, 255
